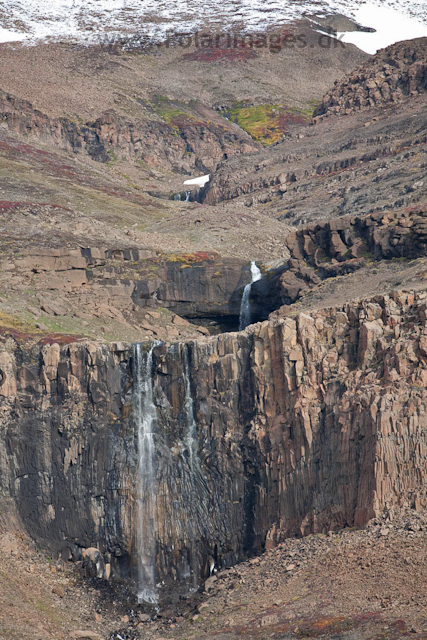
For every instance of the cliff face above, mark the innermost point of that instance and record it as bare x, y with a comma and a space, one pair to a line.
296, 425
64, 453
201, 285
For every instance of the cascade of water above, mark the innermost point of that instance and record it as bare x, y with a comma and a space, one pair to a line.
245, 306
191, 442
189, 408
145, 416
187, 196
177, 197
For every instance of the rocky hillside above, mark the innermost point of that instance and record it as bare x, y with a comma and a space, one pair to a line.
341, 247
373, 160
395, 73
141, 107
203, 140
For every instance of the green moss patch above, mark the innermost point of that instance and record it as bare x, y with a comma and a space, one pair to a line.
266, 123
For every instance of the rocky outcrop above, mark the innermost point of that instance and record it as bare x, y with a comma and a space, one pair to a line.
183, 146
224, 188
338, 247
67, 269
302, 425
392, 75
196, 286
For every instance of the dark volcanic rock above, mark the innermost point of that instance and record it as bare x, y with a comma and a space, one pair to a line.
203, 288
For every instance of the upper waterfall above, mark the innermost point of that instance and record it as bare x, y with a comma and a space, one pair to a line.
245, 318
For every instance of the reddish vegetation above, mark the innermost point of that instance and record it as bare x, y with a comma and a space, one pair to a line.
60, 339
12, 206
18, 151
219, 55
201, 256
198, 256
315, 627
9, 206
287, 118
183, 121
21, 337
185, 258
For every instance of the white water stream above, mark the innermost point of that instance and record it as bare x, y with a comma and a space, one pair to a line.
191, 441
149, 447
145, 416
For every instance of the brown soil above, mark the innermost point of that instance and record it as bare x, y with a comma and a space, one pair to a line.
354, 584
357, 585
42, 598
376, 278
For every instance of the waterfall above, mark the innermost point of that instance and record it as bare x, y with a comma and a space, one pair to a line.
183, 196
191, 442
189, 409
245, 307
145, 417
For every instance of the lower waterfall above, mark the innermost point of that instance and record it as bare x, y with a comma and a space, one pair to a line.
169, 478
145, 416
245, 318
192, 457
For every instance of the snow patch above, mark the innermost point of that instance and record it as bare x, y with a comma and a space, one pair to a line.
200, 182
6, 35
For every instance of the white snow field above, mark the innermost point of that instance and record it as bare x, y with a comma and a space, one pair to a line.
92, 20
391, 26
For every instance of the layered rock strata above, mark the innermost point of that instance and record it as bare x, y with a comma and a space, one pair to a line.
337, 247
357, 165
201, 285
